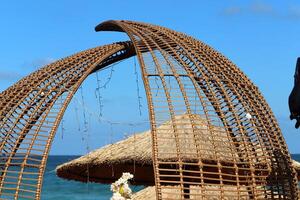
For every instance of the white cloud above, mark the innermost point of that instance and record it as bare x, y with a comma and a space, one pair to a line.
234, 10
294, 12
260, 7
24, 69
8, 76
40, 62
263, 9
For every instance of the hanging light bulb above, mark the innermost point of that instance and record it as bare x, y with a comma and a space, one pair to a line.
248, 116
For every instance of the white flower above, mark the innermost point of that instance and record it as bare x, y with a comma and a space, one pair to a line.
127, 176
248, 116
117, 196
120, 181
121, 189
126, 191
114, 187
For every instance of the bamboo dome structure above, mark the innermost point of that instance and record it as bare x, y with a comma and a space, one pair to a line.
181, 75
134, 154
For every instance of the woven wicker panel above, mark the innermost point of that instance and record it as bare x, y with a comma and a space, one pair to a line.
184, 76
31, 110
215, 148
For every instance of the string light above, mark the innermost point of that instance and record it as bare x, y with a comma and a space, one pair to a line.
98, 95
98, 88
137, 87
108, 121
85, 135
109, 77
87, 152
77, 116
85, 123
96, 115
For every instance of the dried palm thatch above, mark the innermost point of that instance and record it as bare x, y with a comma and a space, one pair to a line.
134, 154
296, 165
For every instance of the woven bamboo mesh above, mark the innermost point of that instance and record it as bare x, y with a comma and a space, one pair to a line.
181, 76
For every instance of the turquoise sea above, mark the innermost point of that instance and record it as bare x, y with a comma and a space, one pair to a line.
55, 188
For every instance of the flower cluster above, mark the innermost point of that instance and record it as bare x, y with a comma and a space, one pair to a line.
120, 188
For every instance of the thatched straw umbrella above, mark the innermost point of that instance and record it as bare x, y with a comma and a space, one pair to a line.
134, 154
107, 164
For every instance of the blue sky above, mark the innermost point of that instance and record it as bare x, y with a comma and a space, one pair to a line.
261, 37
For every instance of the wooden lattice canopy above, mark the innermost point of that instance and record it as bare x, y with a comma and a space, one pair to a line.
181, 75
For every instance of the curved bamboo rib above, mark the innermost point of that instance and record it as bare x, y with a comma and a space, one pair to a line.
210, 149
